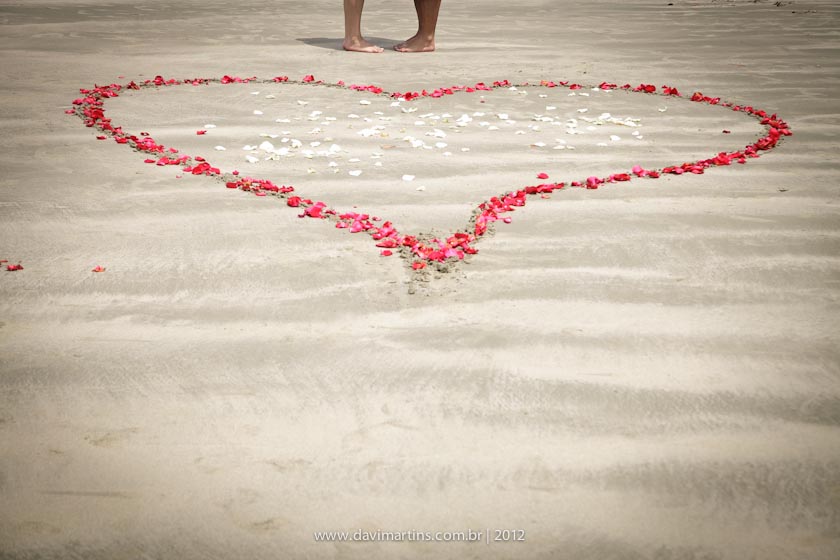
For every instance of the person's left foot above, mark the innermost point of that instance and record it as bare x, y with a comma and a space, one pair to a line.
416, 44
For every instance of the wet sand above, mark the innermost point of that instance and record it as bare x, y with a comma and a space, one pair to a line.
646, 370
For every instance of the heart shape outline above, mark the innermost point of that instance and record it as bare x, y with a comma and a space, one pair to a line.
421, 250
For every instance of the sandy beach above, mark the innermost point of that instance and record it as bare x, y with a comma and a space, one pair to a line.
646, 370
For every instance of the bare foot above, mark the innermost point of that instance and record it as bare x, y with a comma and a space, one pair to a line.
360, 45
416, 44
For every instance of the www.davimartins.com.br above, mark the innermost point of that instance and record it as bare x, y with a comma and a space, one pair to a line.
486, 536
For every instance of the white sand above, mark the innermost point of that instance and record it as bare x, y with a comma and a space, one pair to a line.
648, 370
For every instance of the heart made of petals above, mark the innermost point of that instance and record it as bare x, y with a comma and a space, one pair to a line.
421, 252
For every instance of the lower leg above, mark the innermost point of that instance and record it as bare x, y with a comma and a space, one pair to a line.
427, 17
353, 40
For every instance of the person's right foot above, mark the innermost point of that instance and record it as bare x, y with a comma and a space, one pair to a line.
360, 45
416, 44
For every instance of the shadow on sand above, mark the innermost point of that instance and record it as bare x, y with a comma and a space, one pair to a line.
335, 44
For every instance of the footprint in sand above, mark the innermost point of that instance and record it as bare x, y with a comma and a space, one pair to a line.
111, 439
